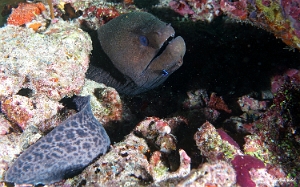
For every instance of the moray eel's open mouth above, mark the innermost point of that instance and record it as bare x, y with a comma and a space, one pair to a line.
163, 47
168, 58
161, 50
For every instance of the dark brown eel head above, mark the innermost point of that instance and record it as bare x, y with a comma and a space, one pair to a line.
142, 48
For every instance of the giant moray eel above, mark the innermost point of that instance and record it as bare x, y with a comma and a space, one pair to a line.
136, 52
63, 152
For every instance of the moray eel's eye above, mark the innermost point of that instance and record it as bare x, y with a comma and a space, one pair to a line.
144, 40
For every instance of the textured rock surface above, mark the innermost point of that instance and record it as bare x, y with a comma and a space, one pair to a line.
127, 164
218, 173
51, 63
124, 164
26, 111
105, 101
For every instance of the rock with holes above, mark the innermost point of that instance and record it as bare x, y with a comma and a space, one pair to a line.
63, 152
51, 63
39, 69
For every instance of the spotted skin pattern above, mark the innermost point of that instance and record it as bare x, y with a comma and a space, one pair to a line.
64, 152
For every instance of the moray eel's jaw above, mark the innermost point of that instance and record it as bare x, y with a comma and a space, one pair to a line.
142, 48
166, 61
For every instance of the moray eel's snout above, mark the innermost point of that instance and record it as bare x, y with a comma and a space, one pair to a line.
168, 59
142, 48
169, 56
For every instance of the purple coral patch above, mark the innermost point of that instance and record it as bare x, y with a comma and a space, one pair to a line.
242, 166
291, 10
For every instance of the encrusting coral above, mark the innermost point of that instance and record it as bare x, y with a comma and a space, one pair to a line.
250, 171
25, 13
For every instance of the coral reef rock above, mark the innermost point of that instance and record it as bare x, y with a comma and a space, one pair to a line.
52, 63
105, 101
217, 173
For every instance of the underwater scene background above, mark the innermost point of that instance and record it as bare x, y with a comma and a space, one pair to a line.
150, 93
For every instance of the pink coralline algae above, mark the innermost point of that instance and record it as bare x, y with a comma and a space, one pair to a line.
209, 9
242, 166
278, 80
278, 17
196, 9
250, 171
291, 10
247, 103
235, 9
181, 7
227, 138
274, 137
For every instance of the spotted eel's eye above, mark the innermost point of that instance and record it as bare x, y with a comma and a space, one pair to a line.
144, 40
